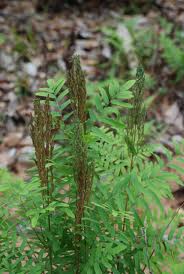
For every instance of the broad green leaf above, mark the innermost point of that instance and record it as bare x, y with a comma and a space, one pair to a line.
114, 123
63, 94
67, 116
45, 94
102, 135
111, 110
125, 95
64, 105
100, 205
34, 220
119, 248
68, 212
58, 86
121, 104
128, 84
98, 103
113, 88
104, 95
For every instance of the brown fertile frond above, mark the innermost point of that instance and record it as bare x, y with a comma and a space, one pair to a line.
136, 116
83, 172
43, 128
77, 86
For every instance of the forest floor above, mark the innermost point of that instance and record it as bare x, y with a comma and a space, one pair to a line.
35, 46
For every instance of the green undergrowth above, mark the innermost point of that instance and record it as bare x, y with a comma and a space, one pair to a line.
93, 203
156, 43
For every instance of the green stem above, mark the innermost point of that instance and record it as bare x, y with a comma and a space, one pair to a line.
126, 206
50, 246
49, 197
126, 199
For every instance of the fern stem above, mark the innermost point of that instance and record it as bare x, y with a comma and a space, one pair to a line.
126, 199
50, 246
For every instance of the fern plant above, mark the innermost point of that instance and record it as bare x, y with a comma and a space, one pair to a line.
173, 55
94, 200
116, 65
